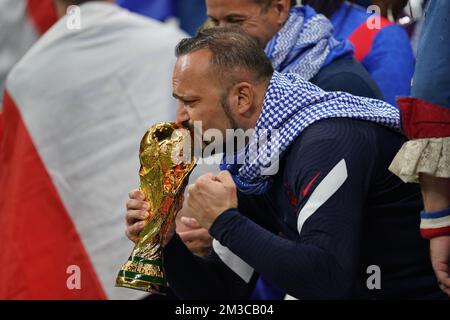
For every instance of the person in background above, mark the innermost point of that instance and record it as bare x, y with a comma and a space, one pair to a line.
296, 39
426, 122
76, 107
385, 52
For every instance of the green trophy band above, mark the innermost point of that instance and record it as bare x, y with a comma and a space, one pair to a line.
166, 162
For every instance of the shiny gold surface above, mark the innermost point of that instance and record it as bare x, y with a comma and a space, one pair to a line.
165, 167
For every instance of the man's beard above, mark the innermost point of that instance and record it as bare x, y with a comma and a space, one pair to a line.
198, 135
232, 123
226, 108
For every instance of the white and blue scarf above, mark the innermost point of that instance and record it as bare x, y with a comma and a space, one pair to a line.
290, 105
305, 44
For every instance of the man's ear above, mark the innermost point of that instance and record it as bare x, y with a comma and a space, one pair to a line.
282, 8
243, 95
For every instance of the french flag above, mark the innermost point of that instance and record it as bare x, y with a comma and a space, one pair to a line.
74, 110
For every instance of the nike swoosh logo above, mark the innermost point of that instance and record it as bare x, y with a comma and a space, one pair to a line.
324, 191
306, 189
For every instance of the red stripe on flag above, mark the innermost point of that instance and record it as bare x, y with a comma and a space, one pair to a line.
42, 14
38, 240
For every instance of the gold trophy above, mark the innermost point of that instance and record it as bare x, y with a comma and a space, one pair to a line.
164, 172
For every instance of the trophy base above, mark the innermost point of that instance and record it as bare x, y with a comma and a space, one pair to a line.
142, 274
141, 285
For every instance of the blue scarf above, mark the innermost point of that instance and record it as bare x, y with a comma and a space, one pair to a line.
305, 44
290, 105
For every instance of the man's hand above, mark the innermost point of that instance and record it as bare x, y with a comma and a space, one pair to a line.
197, 239
136, 217
136, 214
210, 196
440, 259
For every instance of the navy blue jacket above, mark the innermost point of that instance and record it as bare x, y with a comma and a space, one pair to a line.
333, 213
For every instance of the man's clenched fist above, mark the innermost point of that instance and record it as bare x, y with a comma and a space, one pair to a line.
210, 196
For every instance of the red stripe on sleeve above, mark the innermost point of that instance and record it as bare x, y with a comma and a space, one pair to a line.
435, 232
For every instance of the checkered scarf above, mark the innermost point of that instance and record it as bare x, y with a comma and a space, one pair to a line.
290, 105
305, 44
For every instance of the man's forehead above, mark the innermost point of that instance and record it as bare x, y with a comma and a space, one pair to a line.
184, 90
194, 62
222, 8
192, 73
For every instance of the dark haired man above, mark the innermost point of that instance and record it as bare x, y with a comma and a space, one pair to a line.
296, 40
340, 210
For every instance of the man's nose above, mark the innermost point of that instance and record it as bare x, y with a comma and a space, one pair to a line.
182, 114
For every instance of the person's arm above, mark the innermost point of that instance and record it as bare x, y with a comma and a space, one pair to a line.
324, 262
435, 225
426, 122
